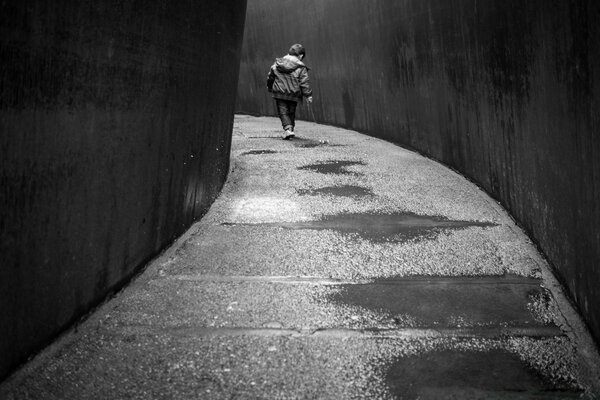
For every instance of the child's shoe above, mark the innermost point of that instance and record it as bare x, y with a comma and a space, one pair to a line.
288, 134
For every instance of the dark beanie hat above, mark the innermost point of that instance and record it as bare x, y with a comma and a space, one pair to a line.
297, 50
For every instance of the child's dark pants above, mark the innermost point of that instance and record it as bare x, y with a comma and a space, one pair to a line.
286, 109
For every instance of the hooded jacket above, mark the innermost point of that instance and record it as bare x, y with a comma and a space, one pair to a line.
288, 79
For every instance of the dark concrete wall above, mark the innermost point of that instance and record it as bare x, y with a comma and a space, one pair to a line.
505, 91
115, 130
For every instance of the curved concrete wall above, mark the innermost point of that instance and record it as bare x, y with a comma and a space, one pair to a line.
505, 91
115, 121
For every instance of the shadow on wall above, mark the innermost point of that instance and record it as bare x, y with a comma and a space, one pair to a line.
501, 90
115, 138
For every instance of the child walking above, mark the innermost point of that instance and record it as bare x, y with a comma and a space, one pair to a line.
288, 83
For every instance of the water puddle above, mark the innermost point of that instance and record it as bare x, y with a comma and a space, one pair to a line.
385, 227
258, 152
339, 191
492, 374
380, 228
311, 143
447, 302
337, 167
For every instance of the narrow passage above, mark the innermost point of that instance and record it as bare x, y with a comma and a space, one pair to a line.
332, 266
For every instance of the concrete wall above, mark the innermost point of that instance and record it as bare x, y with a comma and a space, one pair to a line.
505, 91
115, 129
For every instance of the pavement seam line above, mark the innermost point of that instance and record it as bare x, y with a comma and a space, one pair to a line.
400, 333
313, 280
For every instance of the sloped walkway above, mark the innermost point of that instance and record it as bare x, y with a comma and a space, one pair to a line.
332, 266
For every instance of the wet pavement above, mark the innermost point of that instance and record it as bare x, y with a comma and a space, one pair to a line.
332, 266
381, 227
344, 190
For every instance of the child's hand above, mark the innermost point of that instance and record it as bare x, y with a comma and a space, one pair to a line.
309, 99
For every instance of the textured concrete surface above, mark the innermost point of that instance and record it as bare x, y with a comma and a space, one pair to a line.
246, 305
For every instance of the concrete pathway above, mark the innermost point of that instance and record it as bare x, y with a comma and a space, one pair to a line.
332, 266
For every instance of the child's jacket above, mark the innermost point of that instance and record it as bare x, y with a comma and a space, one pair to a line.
288, 79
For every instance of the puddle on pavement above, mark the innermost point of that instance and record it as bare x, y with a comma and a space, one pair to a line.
380, 228
311, 143
258, 152
447, 302
493, 374
340, 191
399, 227
333, 167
